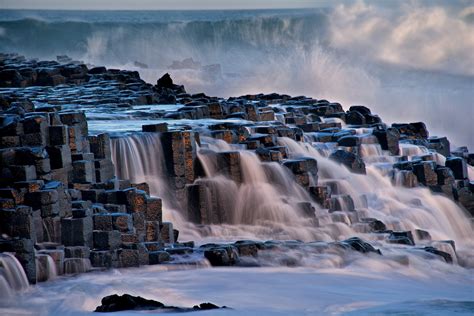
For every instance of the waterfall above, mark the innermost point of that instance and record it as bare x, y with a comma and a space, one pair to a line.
12, 275
139, 158
263, 200
45, 267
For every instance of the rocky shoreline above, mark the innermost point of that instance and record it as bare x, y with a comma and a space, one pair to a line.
62, 203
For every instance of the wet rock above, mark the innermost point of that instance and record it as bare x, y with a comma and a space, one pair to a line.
446, 256
349, 141
422, 234
350, 160
160, 127
106, 240
158, 257
221, 255
128, 258
115, 303
355, 118
100, 146
458, 166
77, 231
440, 144
228, 163
412, 130
388, 139
154, 210
361, 109
425, 172
359, 245
322, 195
402, 237
167, 233
375, 225
247, 248
17, 222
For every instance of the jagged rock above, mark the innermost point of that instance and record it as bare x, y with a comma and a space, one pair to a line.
165, 82
116, 303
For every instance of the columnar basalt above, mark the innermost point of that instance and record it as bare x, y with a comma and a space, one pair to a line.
61, 197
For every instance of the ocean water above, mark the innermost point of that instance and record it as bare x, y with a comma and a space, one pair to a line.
362, 53
406, 61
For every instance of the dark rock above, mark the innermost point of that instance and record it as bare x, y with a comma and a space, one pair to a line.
446, 256
412, 130
359, 245
440, 144
116, 303
425, 172
222, 255
388, 139
375, 224
403, 237
355, 118
160, 127
165, 82
350, 160
458, 166
349, 141
157, 257
361, 109
106, 240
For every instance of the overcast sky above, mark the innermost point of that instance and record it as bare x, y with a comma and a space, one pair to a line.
158, 4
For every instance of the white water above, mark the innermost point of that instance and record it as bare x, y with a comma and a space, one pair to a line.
364, 286
265, 204
12, 276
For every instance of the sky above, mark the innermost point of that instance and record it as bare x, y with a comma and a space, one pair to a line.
157, 4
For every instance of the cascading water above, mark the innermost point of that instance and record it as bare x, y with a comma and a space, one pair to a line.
45, 267
77, 265
139, 158
12, 275
266, 202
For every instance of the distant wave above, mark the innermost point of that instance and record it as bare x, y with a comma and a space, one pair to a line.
158, 42
421, 37
407, 61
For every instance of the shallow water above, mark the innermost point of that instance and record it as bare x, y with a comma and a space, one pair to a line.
260, 291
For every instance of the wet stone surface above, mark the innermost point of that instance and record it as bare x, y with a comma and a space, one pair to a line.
60, 190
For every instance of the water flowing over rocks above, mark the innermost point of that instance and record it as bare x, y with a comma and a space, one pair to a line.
99, 167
